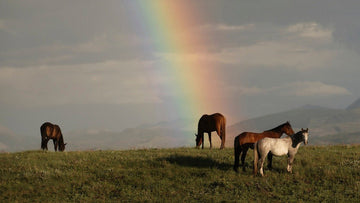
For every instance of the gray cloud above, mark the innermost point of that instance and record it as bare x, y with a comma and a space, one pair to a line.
44, 32
87, 53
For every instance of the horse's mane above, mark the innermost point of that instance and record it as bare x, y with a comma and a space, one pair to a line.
296, 138
277, 129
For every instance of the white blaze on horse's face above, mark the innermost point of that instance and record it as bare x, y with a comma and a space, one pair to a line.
306, 137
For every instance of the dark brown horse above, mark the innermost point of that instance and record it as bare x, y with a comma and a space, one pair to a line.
50, 131
209, 123
246, 140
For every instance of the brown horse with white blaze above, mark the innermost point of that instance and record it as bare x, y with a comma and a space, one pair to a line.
50, 131
246, 140
209, 123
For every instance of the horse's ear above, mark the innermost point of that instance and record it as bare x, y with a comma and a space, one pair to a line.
302, 129
307, 129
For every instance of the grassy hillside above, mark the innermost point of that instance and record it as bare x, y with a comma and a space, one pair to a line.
181, 174
129, 138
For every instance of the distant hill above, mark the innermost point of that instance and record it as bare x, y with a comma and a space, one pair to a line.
160, 135
170, 134
7, 139
300, 117
10, 142
327, 126
355, 105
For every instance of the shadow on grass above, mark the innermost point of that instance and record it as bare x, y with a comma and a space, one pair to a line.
199, 162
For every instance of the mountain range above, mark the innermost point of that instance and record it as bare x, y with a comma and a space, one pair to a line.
326, 125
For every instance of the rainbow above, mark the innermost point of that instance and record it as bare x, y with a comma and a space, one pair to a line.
167, 24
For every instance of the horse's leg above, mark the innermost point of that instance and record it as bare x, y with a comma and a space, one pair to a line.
221, 132
210, 140
270, 156
223, 136
261, 164
243, 156
42, 143
45, 144
237, 151
290, 162
202, 137
55, 144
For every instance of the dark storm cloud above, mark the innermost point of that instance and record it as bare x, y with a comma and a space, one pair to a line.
67, 32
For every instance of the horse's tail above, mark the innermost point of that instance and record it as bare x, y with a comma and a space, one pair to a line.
223, 133
256, 158
43, 136
237, 151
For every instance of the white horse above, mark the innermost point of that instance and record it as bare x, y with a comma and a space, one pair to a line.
279, 147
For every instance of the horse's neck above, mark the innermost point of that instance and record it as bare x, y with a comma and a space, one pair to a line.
61, 139
297, 146
295, 142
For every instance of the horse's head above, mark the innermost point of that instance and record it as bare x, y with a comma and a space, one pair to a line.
301, 136
287, 129
305, 133
198, 140
62, 147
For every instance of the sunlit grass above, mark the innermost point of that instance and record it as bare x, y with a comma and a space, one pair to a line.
181, 174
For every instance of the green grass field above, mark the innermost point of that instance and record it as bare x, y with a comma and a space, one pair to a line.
329, 173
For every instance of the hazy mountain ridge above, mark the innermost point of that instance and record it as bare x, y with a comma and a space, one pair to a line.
131, 138
300, 117
354, 105
327, 126
9, 141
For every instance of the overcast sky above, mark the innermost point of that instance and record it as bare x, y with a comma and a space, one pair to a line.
82, 64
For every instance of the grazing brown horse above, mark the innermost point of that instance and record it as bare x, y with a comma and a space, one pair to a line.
246, 140
50, 131
209, 123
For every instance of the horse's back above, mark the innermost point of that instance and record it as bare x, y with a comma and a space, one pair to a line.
210, 123
251, 137
219, 121
218, 117
277, 146
248, 137
268, 141
50, 130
